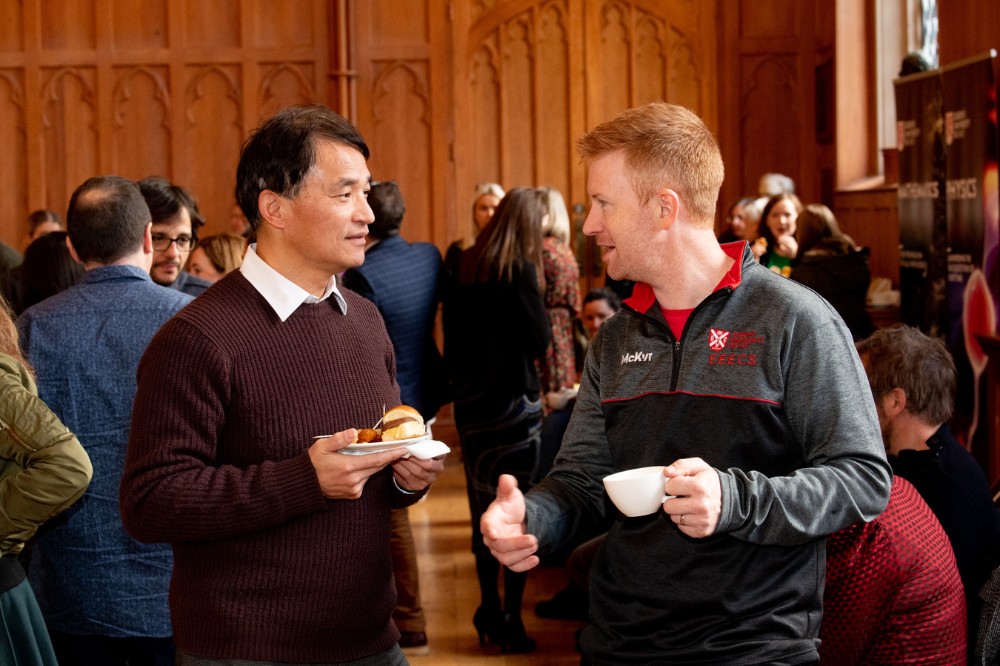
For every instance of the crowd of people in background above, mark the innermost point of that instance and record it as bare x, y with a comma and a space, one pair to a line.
158, 483
804, 243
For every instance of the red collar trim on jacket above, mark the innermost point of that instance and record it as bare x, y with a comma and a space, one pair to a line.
642, 297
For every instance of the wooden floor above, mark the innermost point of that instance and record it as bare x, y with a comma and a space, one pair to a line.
441, 530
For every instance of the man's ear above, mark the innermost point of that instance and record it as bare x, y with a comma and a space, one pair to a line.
894, 402
271, 207
669, 206
147, 239
72, 251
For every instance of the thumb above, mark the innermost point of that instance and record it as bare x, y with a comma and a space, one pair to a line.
339, 440
507, 488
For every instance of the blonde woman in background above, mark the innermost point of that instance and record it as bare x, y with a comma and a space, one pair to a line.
562, 295
485, 199
216, 256
43, 470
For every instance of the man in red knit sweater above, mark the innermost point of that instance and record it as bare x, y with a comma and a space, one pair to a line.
280, 542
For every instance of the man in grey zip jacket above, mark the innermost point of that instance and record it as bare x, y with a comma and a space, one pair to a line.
744, 385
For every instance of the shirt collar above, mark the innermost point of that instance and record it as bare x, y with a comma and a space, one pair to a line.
643, 297
283, 295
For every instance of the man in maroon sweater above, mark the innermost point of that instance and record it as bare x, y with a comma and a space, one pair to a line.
281, 543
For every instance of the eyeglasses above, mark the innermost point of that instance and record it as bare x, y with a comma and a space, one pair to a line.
161, 243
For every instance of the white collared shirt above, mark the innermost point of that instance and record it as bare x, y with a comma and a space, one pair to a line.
283, 295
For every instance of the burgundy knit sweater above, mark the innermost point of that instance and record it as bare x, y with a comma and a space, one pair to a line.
893, 593
229, 399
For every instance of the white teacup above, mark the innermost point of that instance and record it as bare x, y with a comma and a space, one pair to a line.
637, 492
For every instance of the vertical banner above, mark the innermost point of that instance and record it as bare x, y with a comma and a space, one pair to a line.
922, 204
969, 106
949, 212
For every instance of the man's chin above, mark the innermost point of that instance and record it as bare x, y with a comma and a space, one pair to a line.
165, 278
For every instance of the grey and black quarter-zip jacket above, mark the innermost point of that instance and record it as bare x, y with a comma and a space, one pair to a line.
765, 385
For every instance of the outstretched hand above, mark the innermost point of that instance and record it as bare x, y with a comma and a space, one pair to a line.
504, 531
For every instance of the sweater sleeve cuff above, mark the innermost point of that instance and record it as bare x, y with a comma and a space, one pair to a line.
403, 497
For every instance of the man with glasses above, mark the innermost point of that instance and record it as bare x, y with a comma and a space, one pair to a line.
176, 221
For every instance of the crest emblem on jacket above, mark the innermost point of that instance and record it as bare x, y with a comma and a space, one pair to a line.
717, 339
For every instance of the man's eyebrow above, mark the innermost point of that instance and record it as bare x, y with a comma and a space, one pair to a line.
351, 182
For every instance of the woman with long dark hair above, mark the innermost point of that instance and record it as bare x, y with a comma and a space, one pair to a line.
48, 269
496, 329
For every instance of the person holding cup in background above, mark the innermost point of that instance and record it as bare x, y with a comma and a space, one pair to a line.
747, 389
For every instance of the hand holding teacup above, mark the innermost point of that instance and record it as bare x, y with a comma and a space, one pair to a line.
688, 490
697, 504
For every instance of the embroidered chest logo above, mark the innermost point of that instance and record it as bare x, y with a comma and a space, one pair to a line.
717, 339
636, 357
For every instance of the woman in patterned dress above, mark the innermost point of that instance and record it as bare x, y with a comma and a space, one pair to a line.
562, 296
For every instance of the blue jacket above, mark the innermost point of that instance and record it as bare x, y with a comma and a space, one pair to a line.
90, 577
190, 284
403, 280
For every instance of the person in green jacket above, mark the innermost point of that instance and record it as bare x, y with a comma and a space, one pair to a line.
43, 470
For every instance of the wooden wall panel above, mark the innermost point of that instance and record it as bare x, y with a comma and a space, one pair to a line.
611, 56
213, 122
484, 86
401, 141
12, 137
771, 117
870, 217
138, 24
214, 25
285, 25
12, 27
517, 126
70, 136
767, 64
552, 112
69, 26
141, 126
144, 87
404, 109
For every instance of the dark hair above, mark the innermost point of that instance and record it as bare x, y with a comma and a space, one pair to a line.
914, 63
513, 235
278, 154
48, 268
165, 200
904, 357
604, 294
817, 230
764, 230
41, 216
107, 219
387, 203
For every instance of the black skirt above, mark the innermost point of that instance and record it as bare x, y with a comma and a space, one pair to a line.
497, 440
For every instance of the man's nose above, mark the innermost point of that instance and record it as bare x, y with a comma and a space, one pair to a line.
172, 250
591, 227
365, 213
